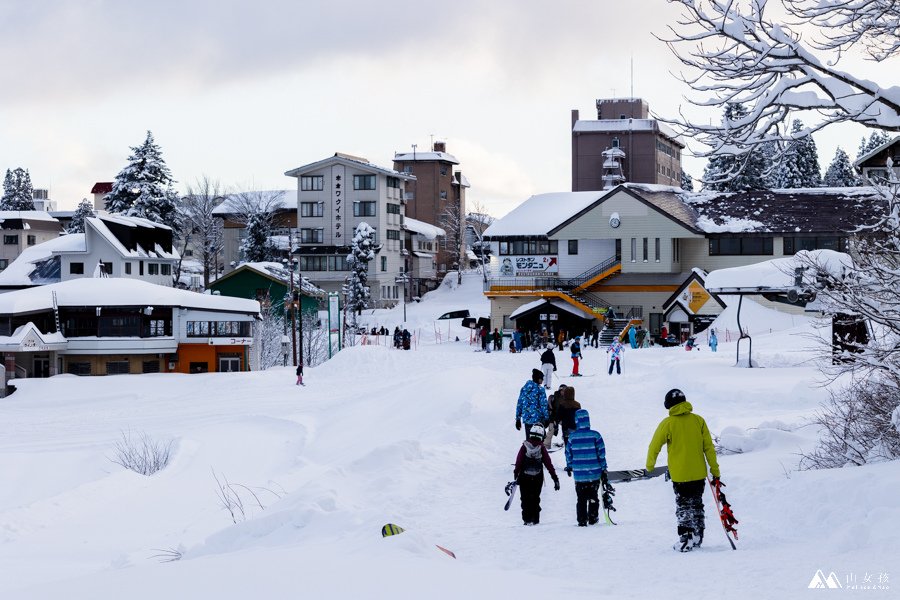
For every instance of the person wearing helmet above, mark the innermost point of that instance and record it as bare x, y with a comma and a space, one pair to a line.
575, 350
586, 457
532, 407
529, 474
690, 447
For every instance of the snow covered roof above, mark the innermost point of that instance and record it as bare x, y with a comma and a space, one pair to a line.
560, 304
874, 151
276, 199
626, 125
280, 272
26, 215
117, 291
29, 335
460, 179
424, 156
426, 230
352, 161
776, 274
98, 225
423, 254
540, 214
19, 271
102, 187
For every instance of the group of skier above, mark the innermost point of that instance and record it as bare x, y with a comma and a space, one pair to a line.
685, 434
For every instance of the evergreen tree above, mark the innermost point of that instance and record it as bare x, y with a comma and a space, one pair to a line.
799, 165
144, 187
362, 251
258, 246
85, 209
729, 173
840, 173
877, 138
18, 193
687, 182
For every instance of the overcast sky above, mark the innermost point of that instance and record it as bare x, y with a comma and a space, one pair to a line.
243, 91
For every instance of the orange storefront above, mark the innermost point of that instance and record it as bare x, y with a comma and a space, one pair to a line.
207, 358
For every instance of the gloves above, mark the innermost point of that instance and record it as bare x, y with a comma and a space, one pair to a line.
715, 480
604, 477
607, 487
556, 484
518, 424
554, 369
569, 471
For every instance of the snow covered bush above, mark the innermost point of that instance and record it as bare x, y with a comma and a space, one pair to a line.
142, 453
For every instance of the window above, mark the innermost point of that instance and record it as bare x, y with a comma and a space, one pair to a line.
107, 267
337, 263
10, 240
633, 249
4, 262
363, 182
656, 250
312, 183
792, 245
141, 268
443, 194
676, 250
152, 268
407, 169
393, 209
312, 236
646, 244
740, 246
573, 247
393, 234
117, 367
76, 268
384, 263
395, 292
529, 247
150, 366
128, 268
312, 209
615, 142
313, 263
164, 269
364, 209
157, 328
443, 171
32, 240
78, 368
393, 182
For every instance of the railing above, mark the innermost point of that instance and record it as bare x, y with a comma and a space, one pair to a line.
593, 272
560, 284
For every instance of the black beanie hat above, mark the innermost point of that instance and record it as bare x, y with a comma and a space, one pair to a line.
536, 374
674, 397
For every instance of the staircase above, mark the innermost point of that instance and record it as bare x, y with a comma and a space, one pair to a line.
611, 332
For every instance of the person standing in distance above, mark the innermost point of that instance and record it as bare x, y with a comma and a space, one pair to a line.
532, 407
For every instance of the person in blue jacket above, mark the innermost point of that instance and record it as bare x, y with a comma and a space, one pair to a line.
632, 337
713, 340
586, 458
532, 407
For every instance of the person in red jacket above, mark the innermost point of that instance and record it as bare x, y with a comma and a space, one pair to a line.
529, 474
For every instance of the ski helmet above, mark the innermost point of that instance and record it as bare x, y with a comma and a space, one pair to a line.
675, 396
537, 431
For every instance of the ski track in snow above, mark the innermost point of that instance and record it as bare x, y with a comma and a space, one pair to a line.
424, 439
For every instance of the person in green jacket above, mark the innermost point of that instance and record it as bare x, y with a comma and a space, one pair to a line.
690, 448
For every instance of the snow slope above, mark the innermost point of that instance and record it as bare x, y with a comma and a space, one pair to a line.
423, 439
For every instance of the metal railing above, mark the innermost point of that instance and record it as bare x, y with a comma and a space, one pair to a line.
593, 272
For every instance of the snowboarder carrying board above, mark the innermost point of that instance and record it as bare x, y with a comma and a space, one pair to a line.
688, 441
586, 458
529, 474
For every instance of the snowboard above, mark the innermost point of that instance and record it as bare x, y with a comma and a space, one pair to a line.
511, 491
577, 376
391, 529
635, 474
726, 517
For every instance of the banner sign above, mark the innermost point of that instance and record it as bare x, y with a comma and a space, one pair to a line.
337, 192
334, 313
528, 266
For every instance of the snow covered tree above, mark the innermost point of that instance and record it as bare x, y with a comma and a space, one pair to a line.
18, 193
257, 211
453, 222
201, 229
315, 340
687, 182
362, 251
477, 222
840, 173
799, 163
876, 139
144, 187
258, 246
85, 209
734, 53
270, 335
729, 172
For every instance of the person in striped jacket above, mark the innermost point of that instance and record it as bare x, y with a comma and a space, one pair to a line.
586, 459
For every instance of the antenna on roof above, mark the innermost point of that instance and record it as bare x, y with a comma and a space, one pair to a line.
632, 84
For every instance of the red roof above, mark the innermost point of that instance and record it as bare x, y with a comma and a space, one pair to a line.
102, 187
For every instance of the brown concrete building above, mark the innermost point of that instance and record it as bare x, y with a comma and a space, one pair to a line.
436, 187
652, 154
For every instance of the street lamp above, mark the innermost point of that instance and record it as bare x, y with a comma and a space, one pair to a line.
291, 307
299, 306
403, 278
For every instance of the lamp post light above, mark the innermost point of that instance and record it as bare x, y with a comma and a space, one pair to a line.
402, 279
298, 298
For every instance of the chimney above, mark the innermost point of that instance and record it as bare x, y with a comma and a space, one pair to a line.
440, 147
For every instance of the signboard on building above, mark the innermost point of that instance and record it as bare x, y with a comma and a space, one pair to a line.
338, 188
334, 314
697, 296
528, 266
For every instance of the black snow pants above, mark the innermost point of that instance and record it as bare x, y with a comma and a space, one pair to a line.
587, 507
530, 495
689, 506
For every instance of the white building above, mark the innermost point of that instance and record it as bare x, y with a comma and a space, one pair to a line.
334, 196
23, 229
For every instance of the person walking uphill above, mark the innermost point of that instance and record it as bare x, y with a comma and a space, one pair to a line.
529, 474
300, 374
566, 409
690, 448
615, 359
575, 348
586, 458
548, 366
532, 407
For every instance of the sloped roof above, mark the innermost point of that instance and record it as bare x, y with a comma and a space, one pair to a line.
19, 271
424, 229
874, 151
102, 187
345, 159
626, 125
274, 199
542, 213
27, 215
275, 271
425, 156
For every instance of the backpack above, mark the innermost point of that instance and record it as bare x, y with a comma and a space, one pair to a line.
533, 463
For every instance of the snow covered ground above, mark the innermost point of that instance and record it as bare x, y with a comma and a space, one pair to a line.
424, 439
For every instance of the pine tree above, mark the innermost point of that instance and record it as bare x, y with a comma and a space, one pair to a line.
258, 246
144, 187
799, 165
85, 209
687, 182
729, 173
18, 193
362, 251
877, 138
840, 173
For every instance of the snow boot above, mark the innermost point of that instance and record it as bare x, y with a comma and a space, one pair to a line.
684, 543
697, 539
